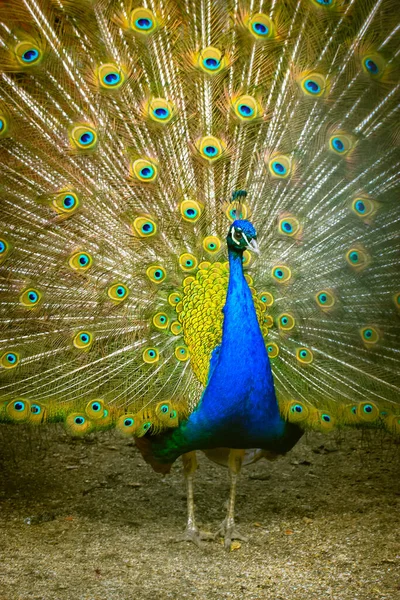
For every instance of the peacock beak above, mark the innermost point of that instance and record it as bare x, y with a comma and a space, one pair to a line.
253, 247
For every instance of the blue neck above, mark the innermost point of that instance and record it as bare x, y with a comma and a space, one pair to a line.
240, 327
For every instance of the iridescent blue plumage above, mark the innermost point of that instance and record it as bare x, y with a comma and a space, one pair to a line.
238, 408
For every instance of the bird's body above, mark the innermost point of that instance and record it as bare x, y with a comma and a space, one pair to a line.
124, 130
238, 408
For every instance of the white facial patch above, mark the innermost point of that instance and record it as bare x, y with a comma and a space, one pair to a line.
233, 237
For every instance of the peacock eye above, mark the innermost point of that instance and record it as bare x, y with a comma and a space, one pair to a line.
211, 63
245, 110
238, 234
143, 24
260, 28
210, 150
312, 86
371, 66
112, 78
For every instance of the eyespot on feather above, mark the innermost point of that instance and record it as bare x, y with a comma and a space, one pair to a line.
210, 60
142, 427
286, 322
357, 258
151, 355
144, 170
176, 328
4, 124
160, 320
144, 227
304, 356
65, 203
190, 210
324, 3
364, 207
181, 353
268, 321
156, 273
261, 27
38, 413
281, 274
368, 412
273, 350
267, 298
18, 410
232, 211
126, 424
314, 85
348, 414
83, 340
246, 108
10, 359
289, 225
95, 409
247, 258
373, 64
188, 262
162, 411
174, 298
369, 335
110, 76
297, 412
30, 298
83, 137
5, 248
167, 414
118, 292
78, 424
28, 54
143, 21
210, 148
212, 244
80, 261
325, 299
160, 110
280, 166
341, 143
324, 421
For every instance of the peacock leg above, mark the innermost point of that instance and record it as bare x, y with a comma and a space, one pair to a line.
228, 528
192, 532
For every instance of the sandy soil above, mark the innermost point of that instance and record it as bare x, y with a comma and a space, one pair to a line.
86, 519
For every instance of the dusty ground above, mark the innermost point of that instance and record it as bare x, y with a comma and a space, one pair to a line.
86, 519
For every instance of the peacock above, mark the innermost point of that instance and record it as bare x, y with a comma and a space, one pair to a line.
199, 223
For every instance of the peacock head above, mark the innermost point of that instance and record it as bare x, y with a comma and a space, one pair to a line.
242, 236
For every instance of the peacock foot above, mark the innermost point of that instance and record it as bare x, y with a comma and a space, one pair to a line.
195, 535
230, 532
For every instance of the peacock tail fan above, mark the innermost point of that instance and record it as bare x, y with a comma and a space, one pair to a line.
124, 129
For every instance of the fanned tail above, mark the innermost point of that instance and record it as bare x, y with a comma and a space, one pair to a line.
123, 132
